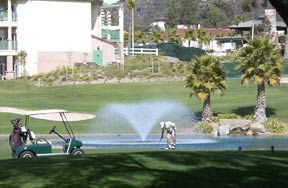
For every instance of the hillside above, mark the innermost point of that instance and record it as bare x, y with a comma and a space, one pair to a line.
148, 10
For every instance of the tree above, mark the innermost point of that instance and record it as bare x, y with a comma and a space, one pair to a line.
21, 57
130, 5
216, 18
172, 14
206, 76
248, 6
187, 11
260, 62
237, 19
190, 35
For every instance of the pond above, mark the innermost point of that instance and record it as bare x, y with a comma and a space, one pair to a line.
187, 142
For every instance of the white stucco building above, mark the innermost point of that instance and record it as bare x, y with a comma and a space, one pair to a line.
53, 33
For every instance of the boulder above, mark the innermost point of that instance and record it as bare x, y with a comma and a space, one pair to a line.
257, 127
227, 126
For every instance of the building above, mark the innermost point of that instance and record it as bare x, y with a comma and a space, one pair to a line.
53, 33
160, 23
221, 42
277, 26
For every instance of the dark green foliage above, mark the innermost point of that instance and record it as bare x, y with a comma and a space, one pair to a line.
187, 11
248, 5
216, 18
182, 53
172, 14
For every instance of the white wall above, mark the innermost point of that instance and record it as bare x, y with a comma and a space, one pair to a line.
160, 24
220, 47
213, 45
53, 26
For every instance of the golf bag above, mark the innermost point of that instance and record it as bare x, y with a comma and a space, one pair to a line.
17, 137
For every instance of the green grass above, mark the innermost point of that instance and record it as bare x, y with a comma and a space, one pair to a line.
91, 98
148, 168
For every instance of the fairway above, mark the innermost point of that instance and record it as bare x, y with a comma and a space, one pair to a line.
148, 168
90, 98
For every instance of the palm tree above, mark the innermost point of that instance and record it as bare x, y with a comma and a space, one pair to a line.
206, 76
203, 37
173, 37
140, 37
260, 62
190, 36
130, 5
156, 37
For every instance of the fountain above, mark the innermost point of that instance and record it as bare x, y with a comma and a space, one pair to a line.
144, 116
119, 119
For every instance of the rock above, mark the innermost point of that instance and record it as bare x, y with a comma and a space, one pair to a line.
257, 127
227, 126
223, 130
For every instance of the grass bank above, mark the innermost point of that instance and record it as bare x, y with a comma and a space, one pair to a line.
140, 168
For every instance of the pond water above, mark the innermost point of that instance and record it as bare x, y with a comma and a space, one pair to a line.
187, 142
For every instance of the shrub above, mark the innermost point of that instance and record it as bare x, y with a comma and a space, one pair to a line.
250, 117
274, 126
217, 118
205, 127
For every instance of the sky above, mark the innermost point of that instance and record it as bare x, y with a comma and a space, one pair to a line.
110, 1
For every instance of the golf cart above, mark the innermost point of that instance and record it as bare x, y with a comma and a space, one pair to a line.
29, 146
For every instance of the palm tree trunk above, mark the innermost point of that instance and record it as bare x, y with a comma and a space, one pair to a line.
129, 36
207, 113
260, 113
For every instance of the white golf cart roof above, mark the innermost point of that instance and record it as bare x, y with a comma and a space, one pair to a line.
50, 114
55, 115
52, 111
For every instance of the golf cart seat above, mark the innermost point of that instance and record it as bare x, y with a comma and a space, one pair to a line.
32, 135
40, 141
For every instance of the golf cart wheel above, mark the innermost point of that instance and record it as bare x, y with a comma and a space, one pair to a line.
26, 154
77, 152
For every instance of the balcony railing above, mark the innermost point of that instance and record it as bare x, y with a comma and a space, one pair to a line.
14, 16
14, 45
4, 16
4, 45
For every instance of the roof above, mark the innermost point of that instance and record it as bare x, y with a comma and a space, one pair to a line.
38, 112
211, 31
249, 24
103, 40
161, 20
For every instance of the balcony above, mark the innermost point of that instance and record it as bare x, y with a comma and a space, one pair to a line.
4, 16
4, 45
